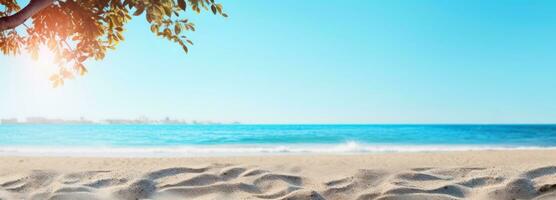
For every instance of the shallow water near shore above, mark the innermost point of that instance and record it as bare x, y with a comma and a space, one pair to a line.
190, 140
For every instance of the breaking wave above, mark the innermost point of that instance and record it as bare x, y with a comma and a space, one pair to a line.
350, 147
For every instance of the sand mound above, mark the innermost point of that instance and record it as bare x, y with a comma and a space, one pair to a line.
280, 182
235, 182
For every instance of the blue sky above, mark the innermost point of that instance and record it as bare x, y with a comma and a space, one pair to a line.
318, 62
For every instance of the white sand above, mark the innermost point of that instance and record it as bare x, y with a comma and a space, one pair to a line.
519, 174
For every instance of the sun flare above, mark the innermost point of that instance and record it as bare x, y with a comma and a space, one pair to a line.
44, 63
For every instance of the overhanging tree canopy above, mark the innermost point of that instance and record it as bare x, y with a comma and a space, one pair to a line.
77, 30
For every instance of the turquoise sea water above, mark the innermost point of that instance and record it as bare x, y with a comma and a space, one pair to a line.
252, 139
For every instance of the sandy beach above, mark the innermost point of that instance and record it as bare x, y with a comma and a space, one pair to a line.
512, 174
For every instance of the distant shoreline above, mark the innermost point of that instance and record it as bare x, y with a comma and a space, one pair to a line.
282, 124
83, 121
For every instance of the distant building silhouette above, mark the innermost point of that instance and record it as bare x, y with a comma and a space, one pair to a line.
9, 121
82, 120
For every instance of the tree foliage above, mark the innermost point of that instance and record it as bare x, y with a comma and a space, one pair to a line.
79, 30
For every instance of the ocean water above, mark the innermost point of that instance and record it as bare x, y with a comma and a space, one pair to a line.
200, 140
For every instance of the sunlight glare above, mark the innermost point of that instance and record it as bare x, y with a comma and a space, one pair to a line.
38, 71
45, 62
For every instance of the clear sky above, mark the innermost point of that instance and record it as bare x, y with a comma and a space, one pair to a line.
443, 61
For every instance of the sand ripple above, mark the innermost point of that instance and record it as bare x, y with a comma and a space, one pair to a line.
222, 181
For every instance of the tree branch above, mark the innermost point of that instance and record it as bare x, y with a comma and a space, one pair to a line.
19, 18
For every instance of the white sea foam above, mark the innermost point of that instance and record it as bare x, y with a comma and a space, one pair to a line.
241, 150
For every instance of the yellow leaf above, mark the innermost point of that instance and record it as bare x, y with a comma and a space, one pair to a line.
177, 28
51, 44
34, 54
54, 77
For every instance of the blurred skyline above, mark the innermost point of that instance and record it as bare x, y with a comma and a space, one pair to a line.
430, 61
